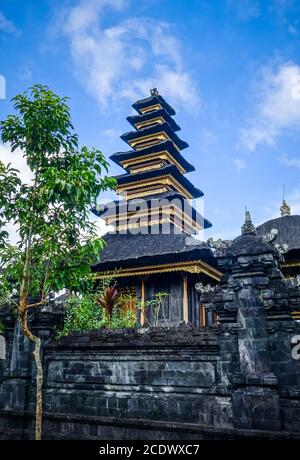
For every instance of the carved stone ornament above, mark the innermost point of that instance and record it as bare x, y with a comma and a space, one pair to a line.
270, 236
204, 289
294, 282
281, 248
219, 245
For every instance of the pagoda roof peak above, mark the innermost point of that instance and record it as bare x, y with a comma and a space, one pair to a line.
155, 101
154, 92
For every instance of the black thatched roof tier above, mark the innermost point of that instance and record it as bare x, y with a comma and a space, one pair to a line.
169, 170
123, 206
168, 146
157, 129
128, 250
134, 119
153, 100
288, 230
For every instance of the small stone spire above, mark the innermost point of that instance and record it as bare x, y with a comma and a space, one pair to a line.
248, 227
285, 209
154, 92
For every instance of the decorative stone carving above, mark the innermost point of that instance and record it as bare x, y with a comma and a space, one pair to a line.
281, 248
204, 289
270, 236
292, 282
219, 245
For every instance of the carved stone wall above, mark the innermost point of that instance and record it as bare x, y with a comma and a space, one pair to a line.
235, 379
180, 383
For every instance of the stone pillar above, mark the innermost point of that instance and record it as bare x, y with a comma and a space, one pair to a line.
19, 375
249, 265
253, 339
256, 402
13, 389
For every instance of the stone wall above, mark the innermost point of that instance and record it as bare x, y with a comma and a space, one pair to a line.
178, 383
235, 379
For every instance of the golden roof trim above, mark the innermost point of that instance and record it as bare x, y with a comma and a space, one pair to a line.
160, 136
167, 210
153, 121
160, 180
196, 266
291, 264
150, 108
163, 155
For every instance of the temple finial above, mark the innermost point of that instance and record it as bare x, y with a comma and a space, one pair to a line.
285, 209
248, 227
154, 92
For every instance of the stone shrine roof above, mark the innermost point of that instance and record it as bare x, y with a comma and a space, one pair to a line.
288, 230
249, 244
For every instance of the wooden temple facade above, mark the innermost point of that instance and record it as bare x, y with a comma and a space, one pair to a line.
152, 248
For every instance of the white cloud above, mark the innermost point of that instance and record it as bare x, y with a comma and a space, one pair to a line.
293, 200
244, 9
111, 61
17, 161
207, 138
111, 133
173, 84
277, 109
289, 161
7, 25
293, 30
239, 164
25, 74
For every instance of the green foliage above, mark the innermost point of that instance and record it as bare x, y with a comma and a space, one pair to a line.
10, 269
2, 328
82, 314
122, 319
9, 182
58, 242
89, 312
85, 312
157, 304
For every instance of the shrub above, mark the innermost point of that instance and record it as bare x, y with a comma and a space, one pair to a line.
95, 310
82, 313
122, 318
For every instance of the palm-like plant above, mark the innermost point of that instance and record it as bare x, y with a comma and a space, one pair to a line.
109, 300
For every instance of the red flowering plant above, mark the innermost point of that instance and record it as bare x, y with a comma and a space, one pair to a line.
109, 300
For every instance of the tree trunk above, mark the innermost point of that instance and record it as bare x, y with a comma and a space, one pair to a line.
39, 395
39, 372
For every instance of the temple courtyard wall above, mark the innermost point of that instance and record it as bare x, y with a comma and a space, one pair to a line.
165, 383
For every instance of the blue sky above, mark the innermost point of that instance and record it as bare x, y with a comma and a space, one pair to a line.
230, 68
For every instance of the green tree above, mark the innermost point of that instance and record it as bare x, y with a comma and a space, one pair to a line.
58, 243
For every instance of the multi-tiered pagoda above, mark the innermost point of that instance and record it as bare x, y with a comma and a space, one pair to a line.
152, 248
